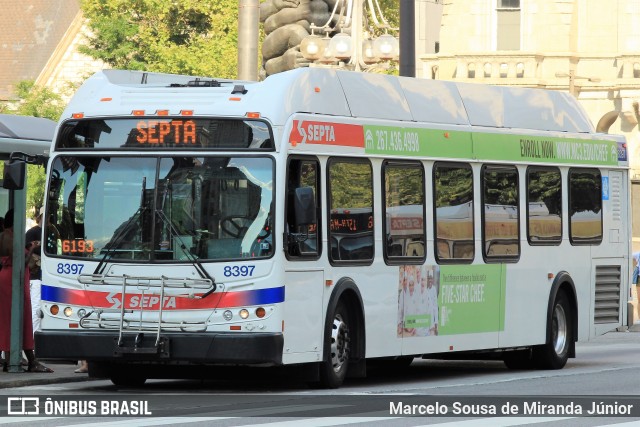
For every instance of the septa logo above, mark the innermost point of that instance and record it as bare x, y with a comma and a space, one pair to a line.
298, 134
311, 132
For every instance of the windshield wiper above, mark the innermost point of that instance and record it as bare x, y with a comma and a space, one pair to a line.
115, 242
187, 251
122, 232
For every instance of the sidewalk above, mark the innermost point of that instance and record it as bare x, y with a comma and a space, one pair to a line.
63, 373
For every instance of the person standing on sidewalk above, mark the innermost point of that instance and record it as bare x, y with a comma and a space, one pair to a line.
6, 273
32, 243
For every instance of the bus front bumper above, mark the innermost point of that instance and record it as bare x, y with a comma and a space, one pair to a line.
205, 348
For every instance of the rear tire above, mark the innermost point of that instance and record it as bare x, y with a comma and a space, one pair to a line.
555, 353
337, 344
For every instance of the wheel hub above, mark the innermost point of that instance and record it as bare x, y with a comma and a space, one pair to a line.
559, 329
339, 343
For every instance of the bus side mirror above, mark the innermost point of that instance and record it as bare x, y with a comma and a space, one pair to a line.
13, 177
304, 206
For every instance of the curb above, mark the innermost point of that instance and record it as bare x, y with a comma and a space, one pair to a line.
26, 382
634, 328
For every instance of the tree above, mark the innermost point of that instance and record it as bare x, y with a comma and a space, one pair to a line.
192, 37
181, 36
36, 101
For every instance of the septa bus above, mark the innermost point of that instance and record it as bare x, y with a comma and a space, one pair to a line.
326, 219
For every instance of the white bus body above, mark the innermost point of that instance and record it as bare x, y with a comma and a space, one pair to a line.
183, 195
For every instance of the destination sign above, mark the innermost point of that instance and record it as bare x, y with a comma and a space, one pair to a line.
165, 133
159, 132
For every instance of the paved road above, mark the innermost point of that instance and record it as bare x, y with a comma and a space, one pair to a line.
606, 370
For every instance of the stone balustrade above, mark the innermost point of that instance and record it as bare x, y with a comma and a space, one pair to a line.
534, 70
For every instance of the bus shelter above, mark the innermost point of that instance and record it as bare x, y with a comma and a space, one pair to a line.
22, 139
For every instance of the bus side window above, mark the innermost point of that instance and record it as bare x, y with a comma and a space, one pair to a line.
544, 206
500, 214
453, 194
404, 222
350, 199
585, 206
302, 241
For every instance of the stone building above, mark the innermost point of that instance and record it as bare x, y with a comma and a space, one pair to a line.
590, 48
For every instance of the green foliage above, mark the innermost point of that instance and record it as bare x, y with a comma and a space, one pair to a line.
351, 185
391, 12
36, 182
35, 101
179, 36
501, 187
404, 186
454, 186
586, 192
546, 186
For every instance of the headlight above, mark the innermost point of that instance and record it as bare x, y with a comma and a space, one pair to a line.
244, 313
228, 315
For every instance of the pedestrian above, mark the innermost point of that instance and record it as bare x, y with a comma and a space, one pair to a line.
6, 273
32, 243
83, 368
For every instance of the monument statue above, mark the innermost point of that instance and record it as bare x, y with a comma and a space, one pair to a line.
286, 23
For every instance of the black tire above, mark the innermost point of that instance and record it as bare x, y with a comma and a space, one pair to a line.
123, 380
337, 349
555, 353
401, 362
518, 359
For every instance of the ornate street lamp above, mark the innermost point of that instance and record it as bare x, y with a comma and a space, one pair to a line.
354, 22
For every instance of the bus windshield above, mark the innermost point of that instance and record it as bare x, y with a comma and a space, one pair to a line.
160, 208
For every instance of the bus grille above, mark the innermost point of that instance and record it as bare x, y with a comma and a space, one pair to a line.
607, 298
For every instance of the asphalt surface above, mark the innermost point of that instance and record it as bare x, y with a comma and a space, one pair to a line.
64, 371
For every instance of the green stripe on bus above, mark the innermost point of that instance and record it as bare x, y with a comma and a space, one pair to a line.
417, 142
545, 149
406, 141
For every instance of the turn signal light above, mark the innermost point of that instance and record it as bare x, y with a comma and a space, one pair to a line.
260, 312
54, 309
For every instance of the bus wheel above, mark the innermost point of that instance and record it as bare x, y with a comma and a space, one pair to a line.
127, 380
401, 362
518, 359
333, 369
554, 354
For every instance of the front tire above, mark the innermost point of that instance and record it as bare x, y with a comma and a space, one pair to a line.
337, 343
555, 353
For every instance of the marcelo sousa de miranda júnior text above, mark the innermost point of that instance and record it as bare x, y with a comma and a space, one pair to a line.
528, 408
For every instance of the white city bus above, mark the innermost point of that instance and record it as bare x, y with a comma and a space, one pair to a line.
324, 219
